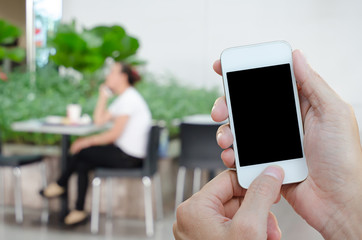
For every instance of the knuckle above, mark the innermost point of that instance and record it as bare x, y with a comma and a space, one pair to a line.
184, 212
248, 229
180, 213
345, 108
263, 187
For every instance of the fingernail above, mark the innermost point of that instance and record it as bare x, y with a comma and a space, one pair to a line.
218, 136
275, 172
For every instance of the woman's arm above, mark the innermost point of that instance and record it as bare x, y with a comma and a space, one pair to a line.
101, 115
104, 138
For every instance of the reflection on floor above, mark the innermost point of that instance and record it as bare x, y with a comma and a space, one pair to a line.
292, 226
118, 229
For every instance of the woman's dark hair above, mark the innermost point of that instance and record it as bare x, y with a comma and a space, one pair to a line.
133, 76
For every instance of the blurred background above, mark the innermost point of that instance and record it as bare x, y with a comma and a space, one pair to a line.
57, 52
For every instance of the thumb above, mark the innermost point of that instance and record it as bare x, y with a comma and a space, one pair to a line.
262, 193
313, 87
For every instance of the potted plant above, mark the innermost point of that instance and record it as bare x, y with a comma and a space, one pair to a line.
9, 35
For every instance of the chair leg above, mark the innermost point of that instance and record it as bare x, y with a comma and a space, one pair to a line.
197, 180
45, 211
180, 185
2, 188
109, 198
147, 186
96, 184
159, 200
17, 194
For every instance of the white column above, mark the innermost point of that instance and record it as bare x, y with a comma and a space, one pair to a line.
30, 44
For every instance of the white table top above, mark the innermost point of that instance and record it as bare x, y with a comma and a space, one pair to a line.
201, 119
37, 125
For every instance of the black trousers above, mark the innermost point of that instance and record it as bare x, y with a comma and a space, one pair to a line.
108, 156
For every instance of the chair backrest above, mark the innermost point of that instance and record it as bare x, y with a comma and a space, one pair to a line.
199, 147
151, 160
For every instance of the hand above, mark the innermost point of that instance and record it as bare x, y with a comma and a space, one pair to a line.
80, 144
224, 210
103, 92
329, 199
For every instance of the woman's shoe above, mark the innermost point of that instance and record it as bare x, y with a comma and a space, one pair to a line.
53, 190
76, 217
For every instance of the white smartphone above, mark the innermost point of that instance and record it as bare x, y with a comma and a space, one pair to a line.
264, 112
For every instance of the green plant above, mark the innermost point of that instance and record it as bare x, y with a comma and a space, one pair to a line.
170, 100
8, 35
86, 50
21, 100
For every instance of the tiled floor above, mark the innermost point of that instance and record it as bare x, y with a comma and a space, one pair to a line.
119, 229
292, 226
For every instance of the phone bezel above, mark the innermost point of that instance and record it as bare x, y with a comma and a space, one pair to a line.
257, 56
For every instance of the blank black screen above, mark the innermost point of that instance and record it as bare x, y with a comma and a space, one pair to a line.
264, 114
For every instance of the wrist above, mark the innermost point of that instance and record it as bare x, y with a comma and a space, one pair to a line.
92, 141
103, 98
345, 223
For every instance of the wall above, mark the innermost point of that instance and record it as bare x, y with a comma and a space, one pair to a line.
185, 37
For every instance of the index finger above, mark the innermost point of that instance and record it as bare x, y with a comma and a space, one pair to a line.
217, 67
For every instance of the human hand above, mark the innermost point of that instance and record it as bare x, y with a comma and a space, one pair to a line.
104, 91
329, 199
80, 144
224, 210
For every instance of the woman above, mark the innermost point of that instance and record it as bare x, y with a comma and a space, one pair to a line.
123, 146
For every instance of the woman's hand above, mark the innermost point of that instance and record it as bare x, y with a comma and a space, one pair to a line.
104, 92
101, 115
224, 210
80, 144
330, 198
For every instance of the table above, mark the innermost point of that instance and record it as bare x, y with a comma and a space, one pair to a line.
39, 126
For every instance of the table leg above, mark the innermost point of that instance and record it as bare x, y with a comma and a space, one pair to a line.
64, 164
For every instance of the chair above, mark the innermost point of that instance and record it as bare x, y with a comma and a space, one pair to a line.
148, 170
16, 162
199, 150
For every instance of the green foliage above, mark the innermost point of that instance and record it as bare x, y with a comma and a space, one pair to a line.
21, 100
86, 51
8, 34
170, 100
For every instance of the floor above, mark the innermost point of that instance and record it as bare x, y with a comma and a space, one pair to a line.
292, 226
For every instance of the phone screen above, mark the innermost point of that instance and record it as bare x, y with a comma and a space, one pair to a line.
264, 114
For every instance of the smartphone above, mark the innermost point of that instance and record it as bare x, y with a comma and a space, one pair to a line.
264, 111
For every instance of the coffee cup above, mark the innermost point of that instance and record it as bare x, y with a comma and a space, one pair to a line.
74, 112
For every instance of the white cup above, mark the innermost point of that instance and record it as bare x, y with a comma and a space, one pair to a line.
74, 112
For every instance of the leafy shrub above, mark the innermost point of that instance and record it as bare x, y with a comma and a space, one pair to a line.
86, 51
21, 100
8, 35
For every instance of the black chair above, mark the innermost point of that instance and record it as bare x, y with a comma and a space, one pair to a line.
199, 151
15, 162
148, 171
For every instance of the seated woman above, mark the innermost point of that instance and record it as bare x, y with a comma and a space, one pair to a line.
123, 146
